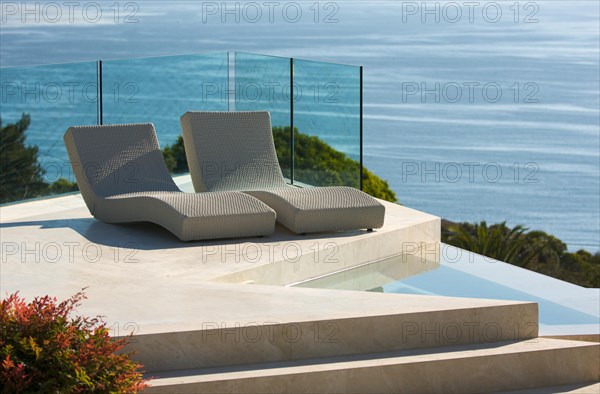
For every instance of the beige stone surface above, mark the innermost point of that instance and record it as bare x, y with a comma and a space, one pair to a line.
56, 238
188, 307
262, 323
460, 369
584, 337
372, 276
172, 295
54, 246
574, 388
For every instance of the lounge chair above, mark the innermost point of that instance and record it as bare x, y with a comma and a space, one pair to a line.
123, 178
235, 151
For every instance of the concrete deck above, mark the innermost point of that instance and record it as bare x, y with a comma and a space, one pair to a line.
55, 245
222, 303
171, 293
141, 273
145, 280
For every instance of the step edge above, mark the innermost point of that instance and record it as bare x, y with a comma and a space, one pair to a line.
300, 366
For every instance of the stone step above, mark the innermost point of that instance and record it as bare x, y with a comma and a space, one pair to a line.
495, 367
386, 322
573, 388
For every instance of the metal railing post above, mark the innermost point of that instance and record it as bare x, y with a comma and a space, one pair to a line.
292, 147
99, 91
361, 128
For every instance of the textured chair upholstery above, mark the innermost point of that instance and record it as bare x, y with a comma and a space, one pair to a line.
235, 151
123, 178
231, 151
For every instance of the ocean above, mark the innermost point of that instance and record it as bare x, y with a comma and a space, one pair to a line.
472, 110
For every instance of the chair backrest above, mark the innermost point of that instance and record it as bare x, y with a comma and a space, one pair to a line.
116, 159
231, 151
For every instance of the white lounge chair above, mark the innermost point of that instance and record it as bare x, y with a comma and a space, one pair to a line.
123, 178
235, 151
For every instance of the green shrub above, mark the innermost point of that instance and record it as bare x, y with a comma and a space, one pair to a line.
43, 349
21, 175
319, 164
63, 185
174, 156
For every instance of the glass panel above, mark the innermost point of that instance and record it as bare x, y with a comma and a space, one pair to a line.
263, 83
327, 116
55, 97
161, 89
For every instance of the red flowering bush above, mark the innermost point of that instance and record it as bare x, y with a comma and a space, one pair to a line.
44, 349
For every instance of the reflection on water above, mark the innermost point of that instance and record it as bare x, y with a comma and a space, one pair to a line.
413, 275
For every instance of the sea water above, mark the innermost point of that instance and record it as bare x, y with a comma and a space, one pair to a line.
471, 118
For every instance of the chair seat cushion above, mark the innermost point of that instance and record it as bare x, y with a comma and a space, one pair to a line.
191, 216
321, 209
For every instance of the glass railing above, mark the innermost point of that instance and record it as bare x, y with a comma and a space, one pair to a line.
54, 97
161, 89
327, 107
323, 107
320, 101
263, 83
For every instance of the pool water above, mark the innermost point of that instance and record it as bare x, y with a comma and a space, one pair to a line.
563, 307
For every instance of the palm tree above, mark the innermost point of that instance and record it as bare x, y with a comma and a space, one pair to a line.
513, 245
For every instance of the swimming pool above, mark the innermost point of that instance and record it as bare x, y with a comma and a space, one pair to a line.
564, 308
